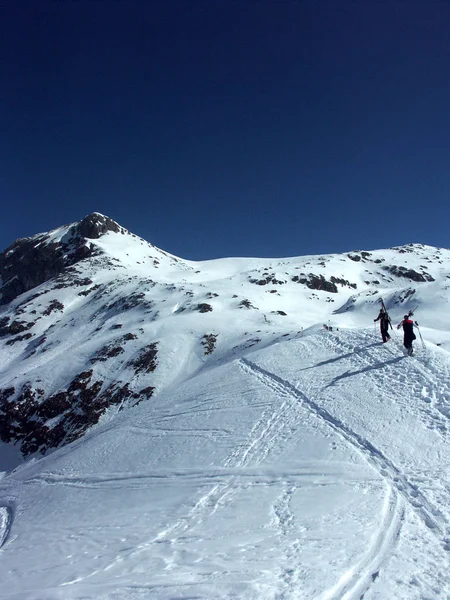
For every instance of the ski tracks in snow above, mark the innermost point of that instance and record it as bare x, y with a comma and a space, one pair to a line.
6, 519
263, 438
400, 490
427, 382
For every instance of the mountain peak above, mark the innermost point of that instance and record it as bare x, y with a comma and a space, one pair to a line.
29, 262
95, 225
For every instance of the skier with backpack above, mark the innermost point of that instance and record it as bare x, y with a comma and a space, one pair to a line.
408, 333
385, 321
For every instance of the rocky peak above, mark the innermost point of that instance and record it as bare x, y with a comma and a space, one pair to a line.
95, 225
29, 262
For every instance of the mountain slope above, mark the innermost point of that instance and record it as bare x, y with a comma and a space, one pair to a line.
315, 468
192, 430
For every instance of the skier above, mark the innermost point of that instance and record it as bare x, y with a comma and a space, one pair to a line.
385, 321
408, 333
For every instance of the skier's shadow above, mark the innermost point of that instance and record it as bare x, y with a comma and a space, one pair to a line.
374, 367
342, 356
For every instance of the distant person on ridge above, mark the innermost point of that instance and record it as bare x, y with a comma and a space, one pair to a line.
408, 333
385, 321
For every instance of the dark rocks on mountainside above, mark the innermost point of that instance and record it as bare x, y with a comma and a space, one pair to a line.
95, 225
54, 305
209, 341
53, 406
19, 338
407, 294
147, 392
409, 273
29, 262
268, 278
40, 423
89, 290
14, 327
316, 282
144, 394
113, 349
279, 312
203, 307
129, 336
107, 352
146, 361
246, 304
343, 282
357, 256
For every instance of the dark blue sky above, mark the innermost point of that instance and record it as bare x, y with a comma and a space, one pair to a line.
228, 128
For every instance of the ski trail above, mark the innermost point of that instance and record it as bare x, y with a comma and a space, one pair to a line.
432, 391
394, 478
254, 451
6, 517
272, 425
429, 515
285, 521
356, 582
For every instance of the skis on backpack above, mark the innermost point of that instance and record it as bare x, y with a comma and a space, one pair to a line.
383, 306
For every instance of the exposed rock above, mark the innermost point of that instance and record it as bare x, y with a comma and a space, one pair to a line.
14, 327
409, 273
343, 282
203, 307
106, 352
209, 341
268, 278
146, 361
95, 225
39, 423
246, 304
31, 261
19, 338
316, 282
54, 305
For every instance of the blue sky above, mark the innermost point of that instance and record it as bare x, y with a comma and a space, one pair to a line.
229, 128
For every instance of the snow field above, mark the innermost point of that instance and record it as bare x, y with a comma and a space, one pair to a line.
315, 468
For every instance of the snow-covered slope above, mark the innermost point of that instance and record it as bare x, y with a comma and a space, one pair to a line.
192, 430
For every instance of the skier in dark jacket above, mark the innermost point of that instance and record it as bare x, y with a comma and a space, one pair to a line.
385, 321
408, 333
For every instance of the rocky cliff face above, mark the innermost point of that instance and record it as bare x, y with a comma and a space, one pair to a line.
31, 261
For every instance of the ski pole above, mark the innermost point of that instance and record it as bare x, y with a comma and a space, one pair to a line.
421, 338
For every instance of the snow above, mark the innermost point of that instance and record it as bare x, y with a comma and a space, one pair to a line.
290, 463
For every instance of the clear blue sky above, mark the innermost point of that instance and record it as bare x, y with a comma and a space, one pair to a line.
228, 127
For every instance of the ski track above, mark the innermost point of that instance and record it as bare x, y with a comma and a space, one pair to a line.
285, 521
356, 582
276, 426
363, 577
270, 427
6, 518
427, 381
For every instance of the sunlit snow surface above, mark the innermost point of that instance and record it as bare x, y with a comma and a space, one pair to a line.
311, 464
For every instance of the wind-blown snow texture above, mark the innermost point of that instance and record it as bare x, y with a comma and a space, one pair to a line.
175, 429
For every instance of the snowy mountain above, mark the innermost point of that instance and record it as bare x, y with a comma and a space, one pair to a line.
180, 429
